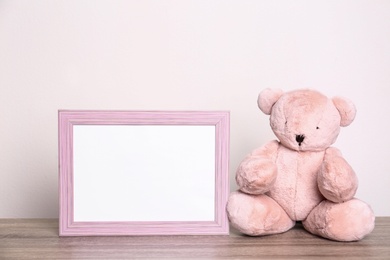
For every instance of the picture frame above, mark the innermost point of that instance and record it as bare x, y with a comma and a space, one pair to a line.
143, 172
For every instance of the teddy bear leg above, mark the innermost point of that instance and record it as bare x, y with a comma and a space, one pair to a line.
347, 221
256, 215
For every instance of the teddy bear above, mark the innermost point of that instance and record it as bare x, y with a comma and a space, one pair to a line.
300, 177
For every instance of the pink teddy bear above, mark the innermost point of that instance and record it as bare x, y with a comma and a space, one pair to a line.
300, 177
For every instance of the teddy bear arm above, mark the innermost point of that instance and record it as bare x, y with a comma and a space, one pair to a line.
336, 179
257, 172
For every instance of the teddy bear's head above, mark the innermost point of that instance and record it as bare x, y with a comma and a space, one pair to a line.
306, 120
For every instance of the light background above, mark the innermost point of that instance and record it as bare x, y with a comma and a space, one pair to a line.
186, 55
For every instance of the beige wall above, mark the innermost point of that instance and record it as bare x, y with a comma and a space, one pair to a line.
185, 55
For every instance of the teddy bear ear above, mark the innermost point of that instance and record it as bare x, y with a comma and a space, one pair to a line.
267, 98
346, 109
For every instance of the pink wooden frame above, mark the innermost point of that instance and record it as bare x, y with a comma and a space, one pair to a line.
69, 227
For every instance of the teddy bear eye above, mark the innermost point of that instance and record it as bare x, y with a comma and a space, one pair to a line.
317, 127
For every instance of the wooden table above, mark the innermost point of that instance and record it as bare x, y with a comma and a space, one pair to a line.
38, 239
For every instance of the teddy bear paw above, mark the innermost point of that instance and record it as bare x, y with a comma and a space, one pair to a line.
256, 215
256, 175
348, 221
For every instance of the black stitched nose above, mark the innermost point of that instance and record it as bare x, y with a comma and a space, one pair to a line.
299, 139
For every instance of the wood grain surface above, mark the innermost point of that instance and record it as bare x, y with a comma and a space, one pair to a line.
38, 239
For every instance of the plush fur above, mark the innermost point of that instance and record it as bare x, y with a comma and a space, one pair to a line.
300, 177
